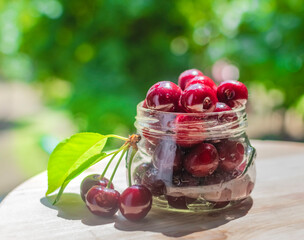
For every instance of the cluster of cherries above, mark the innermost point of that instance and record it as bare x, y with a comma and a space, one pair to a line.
192, 161
103, 200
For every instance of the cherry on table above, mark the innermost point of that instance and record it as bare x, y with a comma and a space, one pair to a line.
202, 160
186, 76
102, 201
90, 181
163, 96
135, 202
203, 80
232, 92
231, 154
198, 98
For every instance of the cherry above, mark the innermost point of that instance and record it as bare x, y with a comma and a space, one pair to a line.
231, 154
225, 117
140, 171
220, 176
91, 181
163, 96
186, 76
221, 107
135, 202
232, 92
202, 160
202, 80
102, 201
198, 98
187, 126
144, 105
185, 180
152, 181
167, 157
179, 202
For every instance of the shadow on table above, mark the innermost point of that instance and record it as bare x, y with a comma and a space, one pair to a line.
72, 207
181, 224
170, 224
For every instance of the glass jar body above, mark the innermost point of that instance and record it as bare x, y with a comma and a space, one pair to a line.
203, 163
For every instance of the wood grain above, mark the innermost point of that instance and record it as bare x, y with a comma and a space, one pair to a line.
275, 211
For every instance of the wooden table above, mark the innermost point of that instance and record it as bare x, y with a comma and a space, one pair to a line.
275, 211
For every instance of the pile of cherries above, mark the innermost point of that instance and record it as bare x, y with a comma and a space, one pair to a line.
186, 161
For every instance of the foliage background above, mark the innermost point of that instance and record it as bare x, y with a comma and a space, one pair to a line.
92, 61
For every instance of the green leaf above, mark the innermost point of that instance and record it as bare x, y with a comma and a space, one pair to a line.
91, 161
73, 156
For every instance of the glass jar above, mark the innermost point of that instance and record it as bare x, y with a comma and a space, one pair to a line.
193, 161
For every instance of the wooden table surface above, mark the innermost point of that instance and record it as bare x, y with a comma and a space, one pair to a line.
275, 211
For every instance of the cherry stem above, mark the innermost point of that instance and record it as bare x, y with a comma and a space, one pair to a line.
125, 148
109, 163
119, 137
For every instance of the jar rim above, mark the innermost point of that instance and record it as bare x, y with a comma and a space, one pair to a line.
241, 107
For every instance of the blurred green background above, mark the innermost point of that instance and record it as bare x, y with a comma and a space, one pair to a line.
70, 66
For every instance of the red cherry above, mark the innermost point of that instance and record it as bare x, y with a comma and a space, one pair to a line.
221, 107
203, 80
153, 181
163, 96
231, 154
232, 92
202, 160
187, 126
91, 181
198, 98
144, 105
167, 157
186, 76
225, 117
102, 201
140, 172
135, 202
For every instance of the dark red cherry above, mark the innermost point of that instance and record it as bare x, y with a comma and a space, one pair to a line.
140, 172
198, 98
232, 92
203, 80
152, 179
163, 96
91, 181
231, 154
102, 201
135, 202
179, 202
167, 157
189, 130
186, 76
202, 160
